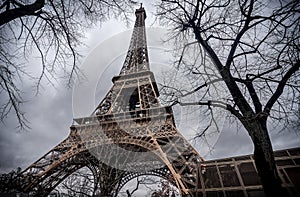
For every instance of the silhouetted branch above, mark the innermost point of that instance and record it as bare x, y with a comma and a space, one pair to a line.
251, 48
52, 31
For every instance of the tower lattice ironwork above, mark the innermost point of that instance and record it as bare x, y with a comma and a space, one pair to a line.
128, 135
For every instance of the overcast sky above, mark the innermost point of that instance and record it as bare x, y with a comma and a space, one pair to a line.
51, 112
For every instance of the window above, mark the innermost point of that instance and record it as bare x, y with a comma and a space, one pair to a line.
256, 193
229, 175
211, 177
249, 174
238, 193
214, 194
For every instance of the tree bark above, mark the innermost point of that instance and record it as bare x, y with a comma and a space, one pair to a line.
264, 158
30, 9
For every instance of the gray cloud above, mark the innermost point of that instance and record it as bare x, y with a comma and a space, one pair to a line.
50, 115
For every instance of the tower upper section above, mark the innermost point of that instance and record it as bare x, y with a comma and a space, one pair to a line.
137, 55
134, 88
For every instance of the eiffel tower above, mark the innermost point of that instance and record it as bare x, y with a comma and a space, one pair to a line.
128, 135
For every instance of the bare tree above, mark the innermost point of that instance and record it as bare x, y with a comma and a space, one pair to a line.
7, 180
151, 184
164, 190
138, 183
51, 30
241, 57
79, 183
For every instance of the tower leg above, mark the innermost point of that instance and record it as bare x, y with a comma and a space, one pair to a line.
108, 179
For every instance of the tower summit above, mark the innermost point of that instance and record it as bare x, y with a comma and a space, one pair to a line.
137, 56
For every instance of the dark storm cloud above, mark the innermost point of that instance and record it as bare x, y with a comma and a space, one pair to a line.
235, 142
50, 115
232, 142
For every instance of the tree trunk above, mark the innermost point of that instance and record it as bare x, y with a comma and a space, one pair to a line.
264, 158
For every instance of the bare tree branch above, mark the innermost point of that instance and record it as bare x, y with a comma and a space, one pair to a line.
253, 47
280, 87
22, 10
52, 31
